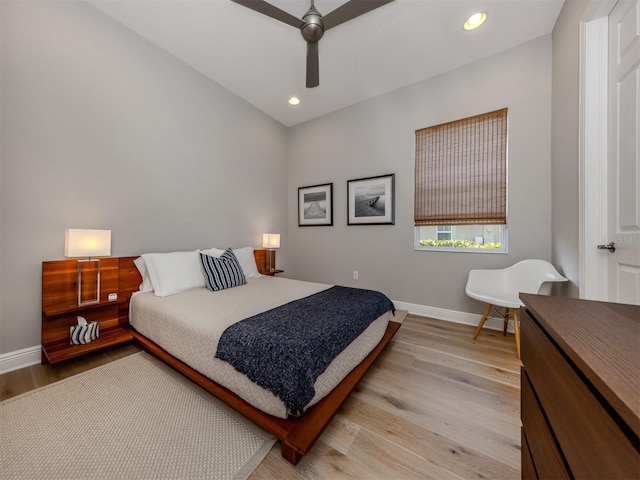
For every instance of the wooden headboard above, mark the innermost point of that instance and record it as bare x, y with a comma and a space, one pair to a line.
118, 275
261, 260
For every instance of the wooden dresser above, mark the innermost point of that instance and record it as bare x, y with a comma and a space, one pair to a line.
580, 394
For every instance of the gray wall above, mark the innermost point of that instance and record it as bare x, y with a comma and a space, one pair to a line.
565, 144
103, 130
376, 137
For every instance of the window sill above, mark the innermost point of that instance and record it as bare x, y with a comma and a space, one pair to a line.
459, 250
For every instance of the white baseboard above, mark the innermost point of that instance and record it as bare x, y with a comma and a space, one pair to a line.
20, 359
452, 315
31, 356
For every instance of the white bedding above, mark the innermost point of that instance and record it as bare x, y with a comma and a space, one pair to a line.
188, 325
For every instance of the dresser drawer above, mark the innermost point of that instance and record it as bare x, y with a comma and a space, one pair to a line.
592, 443
527, 468
544, 451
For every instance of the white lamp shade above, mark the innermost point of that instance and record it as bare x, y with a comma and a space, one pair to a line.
87, 243
271, 240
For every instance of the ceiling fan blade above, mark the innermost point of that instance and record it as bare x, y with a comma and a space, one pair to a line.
313, 72
350, 10
269, 10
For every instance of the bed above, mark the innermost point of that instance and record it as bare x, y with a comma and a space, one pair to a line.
185, 328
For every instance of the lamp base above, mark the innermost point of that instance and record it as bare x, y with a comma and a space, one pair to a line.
271, 260
88, 281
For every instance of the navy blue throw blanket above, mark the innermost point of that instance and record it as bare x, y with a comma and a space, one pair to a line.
285, 349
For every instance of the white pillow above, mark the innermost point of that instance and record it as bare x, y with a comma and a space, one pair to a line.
247, 261
213, 252
174, 272
146, 285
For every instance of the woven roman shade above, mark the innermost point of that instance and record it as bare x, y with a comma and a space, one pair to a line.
461, 172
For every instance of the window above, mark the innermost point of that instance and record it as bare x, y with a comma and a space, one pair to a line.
461, 184
443, 232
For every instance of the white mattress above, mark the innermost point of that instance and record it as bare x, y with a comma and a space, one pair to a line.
188, 325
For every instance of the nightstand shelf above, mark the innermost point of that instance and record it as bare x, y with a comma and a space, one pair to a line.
57, 352
59, 310
273, 273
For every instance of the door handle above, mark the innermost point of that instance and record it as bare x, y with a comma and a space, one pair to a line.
609, 246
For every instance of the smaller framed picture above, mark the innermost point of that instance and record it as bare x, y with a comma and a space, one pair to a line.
315, 205
371, 201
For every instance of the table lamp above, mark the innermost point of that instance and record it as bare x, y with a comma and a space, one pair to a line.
87, 243
271, 241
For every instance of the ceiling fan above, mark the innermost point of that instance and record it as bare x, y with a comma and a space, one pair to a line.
313, 25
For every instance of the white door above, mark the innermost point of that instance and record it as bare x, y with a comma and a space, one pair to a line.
623, 197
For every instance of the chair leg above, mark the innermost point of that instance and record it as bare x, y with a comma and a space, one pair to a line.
516, 327
506, 321
482, 320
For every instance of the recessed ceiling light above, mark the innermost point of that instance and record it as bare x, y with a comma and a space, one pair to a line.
294, 101
475, 20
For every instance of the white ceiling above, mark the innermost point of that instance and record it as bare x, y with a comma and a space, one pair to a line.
264, 61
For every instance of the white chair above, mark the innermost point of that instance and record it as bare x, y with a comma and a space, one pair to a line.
502, 288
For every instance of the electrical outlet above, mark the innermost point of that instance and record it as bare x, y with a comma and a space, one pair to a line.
355, 275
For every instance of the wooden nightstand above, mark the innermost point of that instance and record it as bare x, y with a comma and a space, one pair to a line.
263, 261
60, 308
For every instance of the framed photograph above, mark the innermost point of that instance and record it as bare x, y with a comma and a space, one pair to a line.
315, 205
371, 201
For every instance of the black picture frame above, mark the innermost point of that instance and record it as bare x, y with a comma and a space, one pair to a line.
315, 205
371, 200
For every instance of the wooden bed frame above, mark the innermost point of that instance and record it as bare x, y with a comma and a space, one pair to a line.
297, 435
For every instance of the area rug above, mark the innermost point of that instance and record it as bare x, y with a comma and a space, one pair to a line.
132, 418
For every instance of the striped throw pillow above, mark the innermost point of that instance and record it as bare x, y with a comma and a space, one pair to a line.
223, 272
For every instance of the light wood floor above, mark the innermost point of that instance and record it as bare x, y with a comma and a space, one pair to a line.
434, 405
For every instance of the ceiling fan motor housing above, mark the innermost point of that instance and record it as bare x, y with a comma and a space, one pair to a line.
313, 28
